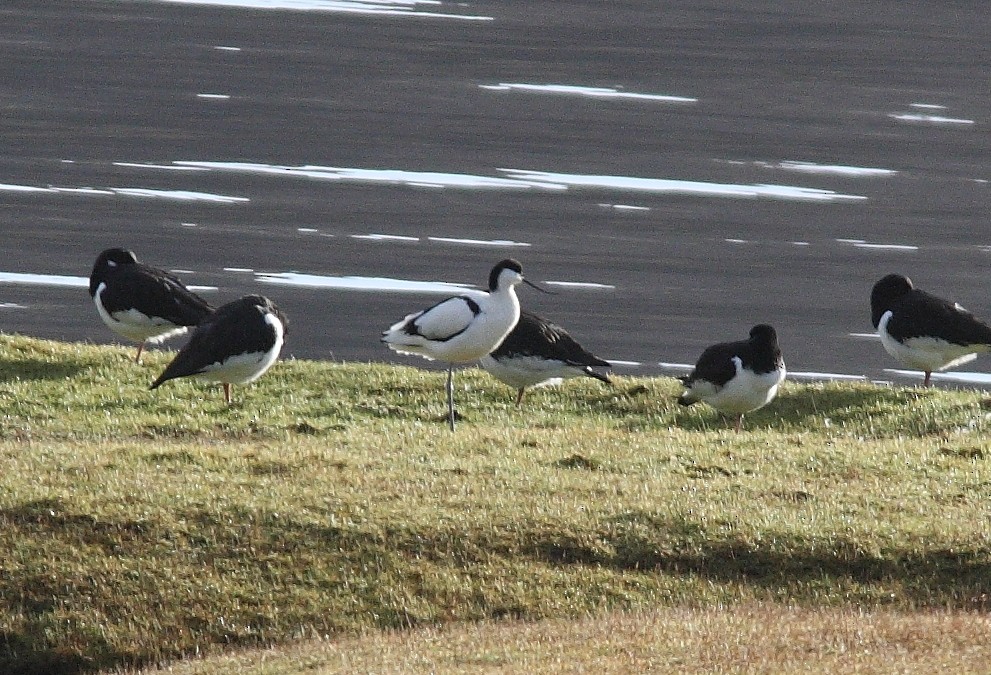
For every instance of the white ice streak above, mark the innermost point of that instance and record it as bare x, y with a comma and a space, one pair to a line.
593, 92
31, 279
523, 179
386, 176
357, 283
835, 169
167, 167
887, 247
682, 187
919, 118
862, 243
179, 195
384, 237
26, 279
383, 7
8, 187
479, 242
624, 207
954, 376
812, 375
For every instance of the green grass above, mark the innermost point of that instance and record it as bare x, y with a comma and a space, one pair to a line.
139, 527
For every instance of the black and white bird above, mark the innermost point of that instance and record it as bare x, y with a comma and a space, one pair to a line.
234, 345
463, 328
141, 302
538, 352
737, 377
924, 331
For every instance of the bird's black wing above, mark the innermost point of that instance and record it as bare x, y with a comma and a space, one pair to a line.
536, 336
567, 348
154, 293
925, 315
716, 363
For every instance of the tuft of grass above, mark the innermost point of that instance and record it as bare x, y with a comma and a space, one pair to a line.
140, 527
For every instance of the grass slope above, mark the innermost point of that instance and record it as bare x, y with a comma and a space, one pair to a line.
138, 527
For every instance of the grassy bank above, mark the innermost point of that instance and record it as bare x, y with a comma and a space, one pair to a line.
141, 526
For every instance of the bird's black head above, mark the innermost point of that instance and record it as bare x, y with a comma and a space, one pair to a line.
501, 266
106, 263
886, 294
767, 353
764, 334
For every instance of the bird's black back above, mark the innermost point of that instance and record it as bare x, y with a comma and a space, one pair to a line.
535, 336
919, 314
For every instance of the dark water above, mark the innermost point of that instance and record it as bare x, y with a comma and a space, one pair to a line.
162, 127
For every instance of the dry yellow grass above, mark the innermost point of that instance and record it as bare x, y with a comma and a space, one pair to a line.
749, 638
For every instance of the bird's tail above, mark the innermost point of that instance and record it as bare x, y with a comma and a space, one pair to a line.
602, 377
162, 379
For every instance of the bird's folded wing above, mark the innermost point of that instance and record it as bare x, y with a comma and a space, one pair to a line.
446, 319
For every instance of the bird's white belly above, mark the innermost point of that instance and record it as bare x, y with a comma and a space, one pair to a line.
924, 353
528, 371
135, 325
239, 369
747, 391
